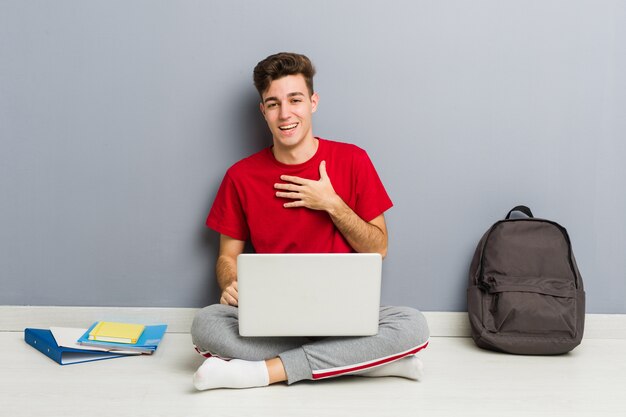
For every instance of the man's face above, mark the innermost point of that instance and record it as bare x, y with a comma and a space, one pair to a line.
288, 109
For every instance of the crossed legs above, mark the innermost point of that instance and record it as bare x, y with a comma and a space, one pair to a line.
264, 360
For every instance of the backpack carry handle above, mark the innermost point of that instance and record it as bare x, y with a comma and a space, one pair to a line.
523, 209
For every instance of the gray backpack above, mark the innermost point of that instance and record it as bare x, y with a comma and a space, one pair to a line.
525, 293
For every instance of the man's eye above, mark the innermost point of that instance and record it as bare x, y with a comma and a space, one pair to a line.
270, 105
296, 100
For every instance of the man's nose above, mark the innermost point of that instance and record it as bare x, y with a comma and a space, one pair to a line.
284, 112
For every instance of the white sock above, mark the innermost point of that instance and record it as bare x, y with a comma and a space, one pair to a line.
236, 373
408, 367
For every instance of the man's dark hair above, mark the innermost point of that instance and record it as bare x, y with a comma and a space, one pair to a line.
280, 65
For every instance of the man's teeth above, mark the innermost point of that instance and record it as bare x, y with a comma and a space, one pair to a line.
288, 127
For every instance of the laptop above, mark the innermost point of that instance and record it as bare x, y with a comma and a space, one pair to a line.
309, 294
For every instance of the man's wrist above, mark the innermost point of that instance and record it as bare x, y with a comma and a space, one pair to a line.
227, 283
336, 207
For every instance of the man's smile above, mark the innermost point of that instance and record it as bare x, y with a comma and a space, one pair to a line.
288, 127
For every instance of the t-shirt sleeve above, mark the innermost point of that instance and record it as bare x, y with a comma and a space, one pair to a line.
227, 216
372, 199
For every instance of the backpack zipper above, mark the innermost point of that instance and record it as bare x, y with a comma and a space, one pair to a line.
495, 297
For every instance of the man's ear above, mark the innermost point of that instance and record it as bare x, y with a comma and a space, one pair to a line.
314, 100
262, 108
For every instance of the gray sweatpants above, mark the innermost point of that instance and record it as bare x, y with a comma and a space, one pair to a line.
402, 331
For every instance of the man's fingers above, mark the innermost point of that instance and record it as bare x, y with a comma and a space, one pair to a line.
323, 173
289, 195
230, 295
295, 180
298, 203
287, 187
231, 291
228, 299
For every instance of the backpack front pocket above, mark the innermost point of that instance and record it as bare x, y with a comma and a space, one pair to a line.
529, 306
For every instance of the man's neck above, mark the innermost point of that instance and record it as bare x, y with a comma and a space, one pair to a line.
298, 154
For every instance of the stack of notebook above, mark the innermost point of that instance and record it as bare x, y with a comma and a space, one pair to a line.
123, 336
103, 340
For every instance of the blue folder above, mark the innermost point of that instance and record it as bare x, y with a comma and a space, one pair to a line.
43, 341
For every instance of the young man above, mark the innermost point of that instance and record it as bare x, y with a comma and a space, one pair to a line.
301, 195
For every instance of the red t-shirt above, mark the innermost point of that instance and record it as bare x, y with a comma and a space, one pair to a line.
246, 206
